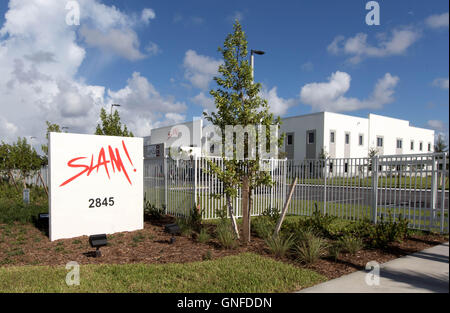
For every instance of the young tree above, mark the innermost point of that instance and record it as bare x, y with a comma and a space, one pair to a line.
440, 145
51, 127
238, 103
20, 156
111, 125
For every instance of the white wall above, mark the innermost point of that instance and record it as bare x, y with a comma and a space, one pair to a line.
341, 124
103, 197
300, 125
392, 129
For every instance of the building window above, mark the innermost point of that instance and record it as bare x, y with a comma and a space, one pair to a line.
289, 139
332, 139
347, 138
429, 147
311, 137
211, 149
420, 146
412, 144
346, 167
399, 143
331, 167
361, 140
379, 141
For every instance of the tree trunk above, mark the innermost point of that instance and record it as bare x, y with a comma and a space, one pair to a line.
233, 219
14, 181
245, 210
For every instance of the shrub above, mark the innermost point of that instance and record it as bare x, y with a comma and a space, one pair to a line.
311, 249
225, 235
272, 213
388, 231
195, 219
334, 251
263, 227
279, 245
152, 211
185, 226
351, 244
11, 212
320, 223
203, 236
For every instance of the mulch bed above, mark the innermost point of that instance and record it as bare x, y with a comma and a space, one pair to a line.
26, 245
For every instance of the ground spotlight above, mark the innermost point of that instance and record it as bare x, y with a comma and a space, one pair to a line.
97, 241
172, 229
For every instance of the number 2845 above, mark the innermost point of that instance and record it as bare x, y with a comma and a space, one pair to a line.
98, 202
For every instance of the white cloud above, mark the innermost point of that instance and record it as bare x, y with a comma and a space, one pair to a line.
141, 101
441, 83
308, 66
40, 56
200, 69
437, 20
237, 15
277, 105
437, 125
147, 15
358, 48
7, 130
206, 102
152, 48
122, 42
330, 96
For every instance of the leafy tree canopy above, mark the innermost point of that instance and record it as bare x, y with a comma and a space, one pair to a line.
111, 125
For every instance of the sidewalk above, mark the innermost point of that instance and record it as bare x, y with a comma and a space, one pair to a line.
425, 271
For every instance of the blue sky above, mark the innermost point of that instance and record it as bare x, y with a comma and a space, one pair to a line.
159, 65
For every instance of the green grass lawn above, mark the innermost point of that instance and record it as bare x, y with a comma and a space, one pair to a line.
246, 272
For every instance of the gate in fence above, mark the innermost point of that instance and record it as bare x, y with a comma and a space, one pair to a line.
411, 186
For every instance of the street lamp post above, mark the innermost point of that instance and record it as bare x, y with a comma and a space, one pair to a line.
252, 59
114, 105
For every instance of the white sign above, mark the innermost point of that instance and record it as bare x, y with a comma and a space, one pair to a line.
96, 184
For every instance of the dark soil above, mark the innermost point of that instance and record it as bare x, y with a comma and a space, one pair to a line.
24, 244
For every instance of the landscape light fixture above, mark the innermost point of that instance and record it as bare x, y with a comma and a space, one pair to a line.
42, 220
172, 229
97, 241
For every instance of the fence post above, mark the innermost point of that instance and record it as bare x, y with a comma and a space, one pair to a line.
195, 181
165, 185
443, 175
325, 174
285, 181
434, 187
374, 188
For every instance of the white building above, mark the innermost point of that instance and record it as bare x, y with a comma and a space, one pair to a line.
345, 136
338, 135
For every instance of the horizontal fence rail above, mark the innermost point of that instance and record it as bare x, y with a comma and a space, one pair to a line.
414, 187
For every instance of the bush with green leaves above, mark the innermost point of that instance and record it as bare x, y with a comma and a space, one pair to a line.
152, 211
280, 245
310, 249
351, 244
322, 223
388, 230
195, 219
334, 251
263, 227
225, 235
272, 213
203, 236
